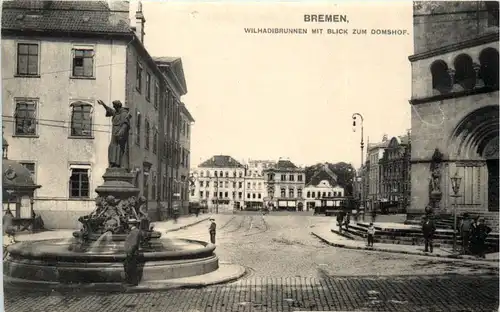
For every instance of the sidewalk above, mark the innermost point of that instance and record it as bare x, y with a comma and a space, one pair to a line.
326, 235
161, 226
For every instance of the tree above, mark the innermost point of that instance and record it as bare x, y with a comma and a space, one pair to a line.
345, 173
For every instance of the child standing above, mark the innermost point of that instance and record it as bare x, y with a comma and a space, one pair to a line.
371, 234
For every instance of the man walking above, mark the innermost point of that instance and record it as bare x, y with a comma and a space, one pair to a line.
132, 244
428, 230
212, 230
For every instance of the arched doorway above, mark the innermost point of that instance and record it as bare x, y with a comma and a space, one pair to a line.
476, 139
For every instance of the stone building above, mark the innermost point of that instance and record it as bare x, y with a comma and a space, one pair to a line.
395, 175
374, 152
53, 122
455, 106
314, 192
285, 184
219, 184
255, 192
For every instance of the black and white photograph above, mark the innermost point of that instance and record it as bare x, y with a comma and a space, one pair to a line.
250, 156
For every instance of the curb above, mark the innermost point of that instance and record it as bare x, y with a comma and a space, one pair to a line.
187, 225
110, 288
457, 257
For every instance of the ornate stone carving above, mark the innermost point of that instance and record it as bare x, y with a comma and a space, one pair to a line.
435, 193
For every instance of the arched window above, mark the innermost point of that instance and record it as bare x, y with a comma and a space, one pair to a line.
464, 72
147, 131
489, 67
155, 140
441, 80
81, 119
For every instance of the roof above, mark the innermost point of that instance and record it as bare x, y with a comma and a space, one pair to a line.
174, 66
186, 112
383, 144
324, 173
16, 176
70, 16
221, 161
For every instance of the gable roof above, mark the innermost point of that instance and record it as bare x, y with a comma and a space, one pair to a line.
221, 161
324, 173
68, 16
174, 66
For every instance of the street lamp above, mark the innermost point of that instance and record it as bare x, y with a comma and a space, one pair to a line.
361, 143
456, 180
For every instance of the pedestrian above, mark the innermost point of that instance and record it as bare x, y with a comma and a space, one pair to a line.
340, 218
132, 244
428, 231
176, 214
371, 234
212, 229
479, 236
374, 214
347, 220
465, 232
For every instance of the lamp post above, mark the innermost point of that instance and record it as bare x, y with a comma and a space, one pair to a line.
362, 143
456, 180
216, 176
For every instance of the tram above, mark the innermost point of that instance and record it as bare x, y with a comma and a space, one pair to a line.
334, 205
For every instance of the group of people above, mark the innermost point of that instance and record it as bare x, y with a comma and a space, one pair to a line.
473, 232
343, 219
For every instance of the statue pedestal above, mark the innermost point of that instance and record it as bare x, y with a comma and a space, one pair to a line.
117, 182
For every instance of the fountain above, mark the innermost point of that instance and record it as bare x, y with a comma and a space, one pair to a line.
95, 254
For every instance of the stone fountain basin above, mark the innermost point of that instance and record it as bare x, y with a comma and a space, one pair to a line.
114, 237
51, 261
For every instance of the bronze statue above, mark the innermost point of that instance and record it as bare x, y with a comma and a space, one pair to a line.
118, 150
436, 180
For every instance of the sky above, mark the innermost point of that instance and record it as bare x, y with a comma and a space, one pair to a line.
266, 96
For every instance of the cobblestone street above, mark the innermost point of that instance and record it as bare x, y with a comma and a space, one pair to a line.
290, 270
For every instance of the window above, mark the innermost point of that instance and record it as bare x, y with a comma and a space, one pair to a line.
81, 119
329, 194
221, 184
226, 195
248, 184
137, 127
253, 195
234, 194
308, 195
299, 193
291, 193
201, 183
215, 194
240, 195
31, 168
299, 178
208, 183
241, 174
227, 174
283, 177
157, 96
146, 134
27, 59
202, 173
25, 117
226, 184
248, 195
220, 195
148, 86
220, 174
201, 194
83, 62
79, 182
260, 196
155, 141
292, 177
138, 77
207, 194
313, 194
240, 184
283, 192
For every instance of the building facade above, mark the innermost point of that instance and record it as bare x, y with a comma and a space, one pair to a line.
256, 194
219, 184
52, 120
374, 154
285, 185
314, 192
455, 106
395, 175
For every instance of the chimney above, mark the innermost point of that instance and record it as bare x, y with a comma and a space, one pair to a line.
139, 22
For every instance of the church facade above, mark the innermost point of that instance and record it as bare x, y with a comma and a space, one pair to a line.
455, 108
